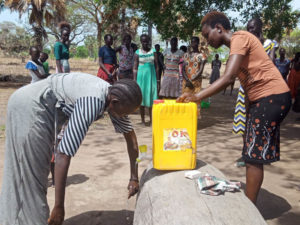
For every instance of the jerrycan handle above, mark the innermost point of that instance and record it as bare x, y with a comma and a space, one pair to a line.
157, 101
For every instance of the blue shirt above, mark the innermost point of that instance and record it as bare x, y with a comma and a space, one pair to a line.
283, 67
108, 55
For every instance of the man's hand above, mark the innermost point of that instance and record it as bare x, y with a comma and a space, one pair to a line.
133, 188
57, 216
188, 97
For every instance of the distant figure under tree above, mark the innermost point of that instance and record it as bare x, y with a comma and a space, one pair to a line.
215, 66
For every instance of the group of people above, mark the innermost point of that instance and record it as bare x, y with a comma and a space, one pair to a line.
38, 66
181, 68
82, 99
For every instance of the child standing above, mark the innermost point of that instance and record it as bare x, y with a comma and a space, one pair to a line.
43, 58
34, 66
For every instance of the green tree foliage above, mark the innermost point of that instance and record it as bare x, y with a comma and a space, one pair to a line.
277, 16
2, 5
14, 40
90, 43
80, 26
181, 18
82, 52
99, 13
40, 13
222, 51
109, 16
291, 43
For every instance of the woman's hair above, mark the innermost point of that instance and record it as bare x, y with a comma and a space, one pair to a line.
297, 55
174, 39
281, 49
144, 35
134, 46
183, 48
32, 48
127, 91
214, 17
126, 36
257, 21
64, 26
196, 38
44, 54
106, 36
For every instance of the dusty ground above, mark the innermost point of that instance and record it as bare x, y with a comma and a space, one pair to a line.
98, 176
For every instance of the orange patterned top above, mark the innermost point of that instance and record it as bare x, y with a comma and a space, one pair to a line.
193, 63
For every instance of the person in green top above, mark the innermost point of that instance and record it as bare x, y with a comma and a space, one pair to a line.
61, 49
43, 58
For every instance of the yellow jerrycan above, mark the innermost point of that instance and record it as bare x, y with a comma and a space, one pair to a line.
174, 135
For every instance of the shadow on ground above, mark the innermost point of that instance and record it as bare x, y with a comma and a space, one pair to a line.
289, 218
76, 179
271, 206
123, 217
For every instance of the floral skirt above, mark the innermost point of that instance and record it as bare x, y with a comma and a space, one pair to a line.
262, 137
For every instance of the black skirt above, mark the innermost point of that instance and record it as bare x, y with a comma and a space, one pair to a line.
262, 136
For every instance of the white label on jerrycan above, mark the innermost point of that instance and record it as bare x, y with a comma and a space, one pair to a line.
176, 139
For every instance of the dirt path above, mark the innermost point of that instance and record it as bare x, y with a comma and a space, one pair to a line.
98, 175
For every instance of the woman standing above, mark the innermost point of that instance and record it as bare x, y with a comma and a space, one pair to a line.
107, 61
194, 62
283, 64
170, 87
215, 66
145, 72
61, 49
125, 58
294, 77
33, 112
268, 94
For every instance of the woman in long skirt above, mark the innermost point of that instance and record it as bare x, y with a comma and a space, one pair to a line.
145, 72
32, 114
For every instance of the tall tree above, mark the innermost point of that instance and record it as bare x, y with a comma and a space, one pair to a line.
277, 16
39, 11
113, 16
14, 40
182, 18
2, 5
78, 20
291, 42
99, 13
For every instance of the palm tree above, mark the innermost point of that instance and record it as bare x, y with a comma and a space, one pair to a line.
41, 12
2, 5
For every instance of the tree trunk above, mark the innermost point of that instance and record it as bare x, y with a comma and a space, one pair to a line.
123, 14
150, 31
38, 37
99, 35
168, 198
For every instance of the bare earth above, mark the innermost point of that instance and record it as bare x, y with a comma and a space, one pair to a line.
96, 191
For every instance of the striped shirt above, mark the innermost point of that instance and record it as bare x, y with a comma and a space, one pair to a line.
81, 115
172, 62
